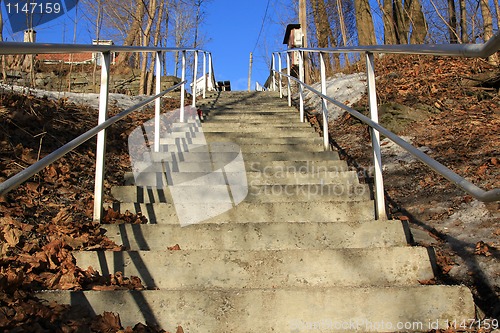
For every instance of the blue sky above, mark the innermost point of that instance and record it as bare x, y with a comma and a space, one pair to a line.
231, 29
234, 27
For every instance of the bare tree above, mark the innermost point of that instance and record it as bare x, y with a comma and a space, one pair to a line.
364, 22
497, 11
162, 11
134, 33
464, 35
417, 21
146, 40
452, 22
324, 34
487, 27
387, 10
343, 28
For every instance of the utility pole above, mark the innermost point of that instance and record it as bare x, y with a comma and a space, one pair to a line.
250, 72
303, 27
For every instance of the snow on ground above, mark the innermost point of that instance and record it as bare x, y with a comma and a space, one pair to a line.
347, 89
89, 99
394, 157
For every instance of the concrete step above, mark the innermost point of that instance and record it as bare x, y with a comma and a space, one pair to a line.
258, 113
234, 114
263, 135
271, 124
214, 269
290, 129
337, 309
253, 178
261, 236
250, 148
256, 193
247, 157
255, 121
242, 140
267, 167
321, 211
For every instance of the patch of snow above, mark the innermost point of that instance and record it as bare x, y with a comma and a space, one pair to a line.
347, 89
88, 99
394, 157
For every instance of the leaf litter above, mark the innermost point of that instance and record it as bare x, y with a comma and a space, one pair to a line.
457, 102
49, 216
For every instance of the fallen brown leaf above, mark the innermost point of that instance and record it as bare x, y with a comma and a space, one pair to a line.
482, 249
176, 247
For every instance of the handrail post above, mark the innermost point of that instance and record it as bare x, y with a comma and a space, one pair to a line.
210, 74
380, 212
195, 75
101, 138
204, 75
289, 82
273, 70
280, 76
183, 87
301, 88
157, 101
326, 141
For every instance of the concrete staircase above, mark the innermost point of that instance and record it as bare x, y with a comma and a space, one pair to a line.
302, 252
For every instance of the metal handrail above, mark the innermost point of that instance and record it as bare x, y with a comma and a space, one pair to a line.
38, 166
14, 48
483, 50
462, 50
476, 192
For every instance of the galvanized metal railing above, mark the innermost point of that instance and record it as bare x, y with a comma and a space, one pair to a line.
456, 50
10, 48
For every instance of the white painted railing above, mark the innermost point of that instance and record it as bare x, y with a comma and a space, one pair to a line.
10, 48
455, 50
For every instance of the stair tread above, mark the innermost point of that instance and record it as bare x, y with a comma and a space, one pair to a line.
279, 310
260, 236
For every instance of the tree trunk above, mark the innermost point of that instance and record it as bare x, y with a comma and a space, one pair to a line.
418, 22
388, 16
364, 23
497, 10
488, 28
156, 41
343, 29
452, 22
464, 36
133, 32
327, 27
400, 21
322, 33
146, 39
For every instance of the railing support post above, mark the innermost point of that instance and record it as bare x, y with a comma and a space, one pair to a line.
301, 88
273, 70
195, 76
183, 87
289, 81
204, 75
157, 101
280, 77
210, 73
380, 212
101, 137
326, 140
